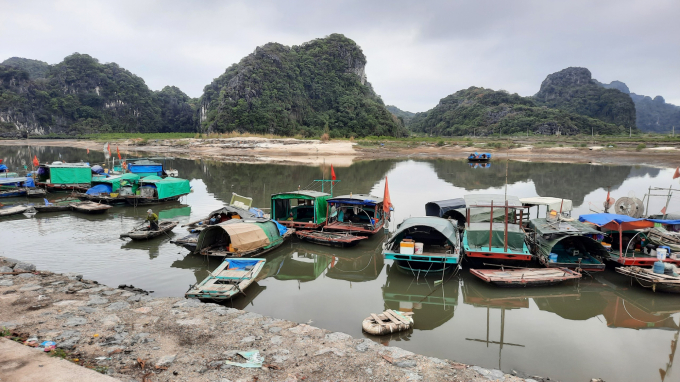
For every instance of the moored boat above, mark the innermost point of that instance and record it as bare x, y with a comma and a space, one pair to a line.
650, 280
112, 189
331, 239
302, 209
475, 157
387, 322
154, 190
359, 214
525, 277
60, 176
240, 207
145, 232
241, 238
15, 210
57, 205
229, 279
90, 207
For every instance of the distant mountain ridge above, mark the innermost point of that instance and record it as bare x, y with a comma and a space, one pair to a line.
404, 116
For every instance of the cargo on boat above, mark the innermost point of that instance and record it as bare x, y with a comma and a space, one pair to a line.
330, 239
157, 166
358, 214
665, 233
302, 209
229, 279
240, 207
90, 207
387, 322
154, 190
424, 244
60, 176
112, 189
241, 238
525, 277
654, 281
145, 232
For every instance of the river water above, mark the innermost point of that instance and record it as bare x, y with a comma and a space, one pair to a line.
600, 327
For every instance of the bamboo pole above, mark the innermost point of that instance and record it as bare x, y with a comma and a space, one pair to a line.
491, 226
505, 246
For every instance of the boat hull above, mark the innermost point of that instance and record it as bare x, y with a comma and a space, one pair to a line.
525, 277
164, 228
224, 282
330, 240
347, 228
139, 201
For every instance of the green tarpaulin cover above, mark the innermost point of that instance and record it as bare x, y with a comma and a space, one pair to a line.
281, 206
70, 175
551, 237
114, 181
168, 187
478, 236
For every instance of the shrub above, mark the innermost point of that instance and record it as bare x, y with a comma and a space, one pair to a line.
640, 147
440, 143
325, 137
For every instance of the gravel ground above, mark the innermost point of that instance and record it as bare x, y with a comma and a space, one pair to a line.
135, 337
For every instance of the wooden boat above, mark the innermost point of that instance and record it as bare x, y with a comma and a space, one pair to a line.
241, 238
238, 208
60, 176
525, 277
358, 214
13, 187
33, 192
483, 157
155, 190
648, 279
111, 190
14, 210
232, 277
145, 232
57, 205
90, 207
189, 241
303, 209
389, 321
342, 240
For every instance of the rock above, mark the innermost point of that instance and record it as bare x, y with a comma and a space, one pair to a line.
330, 350
6, 283
134, 298
302, 329
68, 334
68, 344
274, 329
280, 358
5, 269
110, 320
248, 339
533, 380
143, 310
406, 363
338, 336
249, 316
24, 267
112, 292
496, 375
223, 311
97, 300
166, 360
276, 340
11, 262
8, 325
26, 275
437, 361
396, 352
87, 309
230, 353
141, 338
30, 287
190, 322
189, 303
75, 321
68, 303
115, 339
120, 305
365, 345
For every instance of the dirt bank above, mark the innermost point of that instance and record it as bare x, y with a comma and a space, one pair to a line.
344, 153
136, 337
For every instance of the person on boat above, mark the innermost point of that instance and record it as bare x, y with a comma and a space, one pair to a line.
290, 217
152, 219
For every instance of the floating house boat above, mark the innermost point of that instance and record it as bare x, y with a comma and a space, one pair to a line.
60, 176
476, 157
112, 189
154, 189
448, 209
146, 167
566, 244
425, 244
562, 206
56, 205
359, 214
627, 238
14, 187
231, 278
486, 240
241, 238
655, 281
300, 209
239, 208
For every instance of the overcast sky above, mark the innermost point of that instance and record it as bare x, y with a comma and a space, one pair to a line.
418, 52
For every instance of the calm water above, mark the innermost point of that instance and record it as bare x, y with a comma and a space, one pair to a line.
601, 327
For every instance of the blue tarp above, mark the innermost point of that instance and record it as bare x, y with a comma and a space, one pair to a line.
257, 212
3, 168
603, 219
672, 222
351, 201
99, 189
146, 169
282, 229
242, 263
29, 182
97, 169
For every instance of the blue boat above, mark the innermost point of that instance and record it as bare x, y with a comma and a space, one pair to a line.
424, 244
483, 157
15, 187
228, 280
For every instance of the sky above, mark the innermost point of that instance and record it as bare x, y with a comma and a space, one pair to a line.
417, 52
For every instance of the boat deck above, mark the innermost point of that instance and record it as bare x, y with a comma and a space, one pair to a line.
640, 259
361, 229
525, 276
224, 283
429, 255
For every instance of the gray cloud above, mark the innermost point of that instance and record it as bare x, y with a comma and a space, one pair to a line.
417, 52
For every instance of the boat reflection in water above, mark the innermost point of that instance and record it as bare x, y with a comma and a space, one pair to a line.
432, 302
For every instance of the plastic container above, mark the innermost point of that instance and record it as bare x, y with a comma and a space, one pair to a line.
553, 257
407, 248
607, 246
659, 267
419, 248
661, 253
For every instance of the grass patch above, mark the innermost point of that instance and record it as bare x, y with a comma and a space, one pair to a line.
640, 146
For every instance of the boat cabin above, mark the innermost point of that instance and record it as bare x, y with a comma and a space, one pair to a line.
560, 206
425, 243
360, 214
112, 189
448, 209
64, 176
300, 209
241, 238
494, 230
154, 189
14, 187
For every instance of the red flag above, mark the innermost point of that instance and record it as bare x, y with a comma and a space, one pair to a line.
387, 203
35, 161
677, 173
333, 175
1, 160
125, 165
108, 147
118, 151
663, 210
88, 151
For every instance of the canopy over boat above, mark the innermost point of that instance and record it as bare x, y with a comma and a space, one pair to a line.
478, 236
65, 173
242, 235
113, 183
13, 181
313, 209
615, 222
425, 225
556, 204
359, 199
473, 200
445, 208
145, 167
572, 242
167, 187
665, 221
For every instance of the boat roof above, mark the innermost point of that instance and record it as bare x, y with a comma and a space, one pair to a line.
614, 222
473, 200
445, 226
12, 180
240, 211
552, 203
117, 178
307, 193
545, 227
62, 164
441, 207
366, 198
143, 162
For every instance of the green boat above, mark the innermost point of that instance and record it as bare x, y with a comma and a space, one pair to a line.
154, 189
60, 176
111, 190
300, 209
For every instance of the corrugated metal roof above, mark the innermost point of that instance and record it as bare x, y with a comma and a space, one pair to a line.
360, 197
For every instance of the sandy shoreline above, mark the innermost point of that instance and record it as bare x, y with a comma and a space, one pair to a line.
344, 153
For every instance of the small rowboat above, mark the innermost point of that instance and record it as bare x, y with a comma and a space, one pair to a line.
387, 322
340, 239
232, 277
14, 210
524, 277
90, 207
483, 157
57, 205
145, 232
648, 279
34, 192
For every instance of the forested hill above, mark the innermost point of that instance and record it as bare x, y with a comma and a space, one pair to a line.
404, 116
36, 69
82, 96
651, 115
480, 111
309, 89
574, 90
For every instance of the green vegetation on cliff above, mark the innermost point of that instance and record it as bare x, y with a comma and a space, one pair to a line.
314, 88
404, 116
482, 112
36, 69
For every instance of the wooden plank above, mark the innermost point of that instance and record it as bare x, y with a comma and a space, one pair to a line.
395, 317
377, 319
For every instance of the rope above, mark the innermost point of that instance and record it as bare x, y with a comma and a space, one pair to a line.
631, 316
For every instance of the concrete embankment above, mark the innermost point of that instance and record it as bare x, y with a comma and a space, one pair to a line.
135, 337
